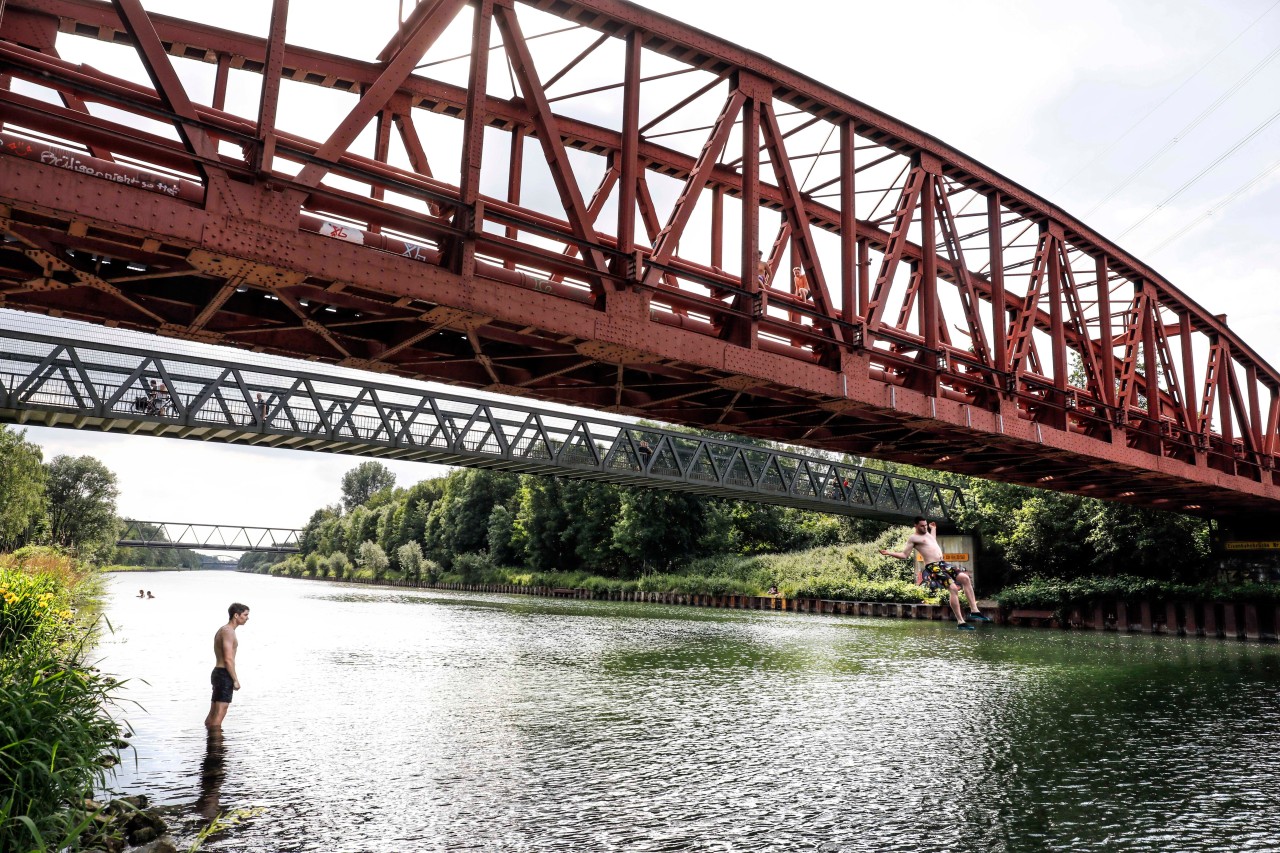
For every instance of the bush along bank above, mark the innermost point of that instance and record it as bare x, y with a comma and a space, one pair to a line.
855, 572
57, 734
1248, 611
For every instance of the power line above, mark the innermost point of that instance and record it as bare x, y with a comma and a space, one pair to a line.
1217, 207
1190, 126
1180, 190
1165, 100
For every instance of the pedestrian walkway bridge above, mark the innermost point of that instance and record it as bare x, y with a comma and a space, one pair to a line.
209, 537
55, 381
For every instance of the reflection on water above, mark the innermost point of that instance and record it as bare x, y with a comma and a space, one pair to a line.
403, 721
213, 771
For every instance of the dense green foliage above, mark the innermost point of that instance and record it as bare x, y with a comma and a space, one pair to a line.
472, 520
22, 489
850, 572
69, 502
82, 504
1061, 595
364, 481
53, 731
1028, 533
472, 523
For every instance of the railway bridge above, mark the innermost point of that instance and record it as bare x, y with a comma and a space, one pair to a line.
596, 205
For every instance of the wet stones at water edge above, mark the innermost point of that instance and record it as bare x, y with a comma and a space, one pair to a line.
126, 825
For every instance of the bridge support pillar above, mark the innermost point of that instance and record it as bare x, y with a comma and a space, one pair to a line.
1191, 617
1210, 619
1230, 622
1251, 622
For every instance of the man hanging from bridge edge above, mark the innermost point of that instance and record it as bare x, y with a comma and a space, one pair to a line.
937, 572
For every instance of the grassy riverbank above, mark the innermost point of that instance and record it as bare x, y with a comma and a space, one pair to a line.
56, 740
851, 572
117, 569
838, 572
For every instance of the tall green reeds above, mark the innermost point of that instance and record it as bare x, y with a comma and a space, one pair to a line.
54, 729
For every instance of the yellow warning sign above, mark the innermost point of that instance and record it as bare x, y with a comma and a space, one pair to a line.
950, 558
1253, 546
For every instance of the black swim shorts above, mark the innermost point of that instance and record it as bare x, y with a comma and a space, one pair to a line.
939, 575
223, 686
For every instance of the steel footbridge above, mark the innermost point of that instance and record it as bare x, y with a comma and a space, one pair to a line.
88, 385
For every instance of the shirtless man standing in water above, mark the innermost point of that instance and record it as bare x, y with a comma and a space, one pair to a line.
224, 677
937, 572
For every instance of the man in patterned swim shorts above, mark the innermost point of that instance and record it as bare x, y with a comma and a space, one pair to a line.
938, 573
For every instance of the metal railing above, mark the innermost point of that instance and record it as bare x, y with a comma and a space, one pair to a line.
54, 381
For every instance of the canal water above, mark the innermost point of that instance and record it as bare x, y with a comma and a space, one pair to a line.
378, 719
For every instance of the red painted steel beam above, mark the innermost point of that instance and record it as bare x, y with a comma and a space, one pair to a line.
786, 393
424, 25
693, 46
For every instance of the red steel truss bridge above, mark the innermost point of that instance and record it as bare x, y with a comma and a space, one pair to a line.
85, 385
215, 537
589, 203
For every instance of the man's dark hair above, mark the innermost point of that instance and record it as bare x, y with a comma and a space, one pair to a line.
235, 609
920, 518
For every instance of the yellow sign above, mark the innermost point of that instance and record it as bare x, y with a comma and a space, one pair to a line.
1253, 546
958, 558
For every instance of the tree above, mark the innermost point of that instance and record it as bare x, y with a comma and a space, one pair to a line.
540, 523
363, 482
659, 529
373, 558
459, 521
82, 504
1151, 543
22, 489
339, 565
501, 528
409, 556
353, 524
314, 534
591, 512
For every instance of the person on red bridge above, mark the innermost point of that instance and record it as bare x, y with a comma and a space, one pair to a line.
937, 572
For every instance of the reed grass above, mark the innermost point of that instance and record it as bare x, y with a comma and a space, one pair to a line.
56, 737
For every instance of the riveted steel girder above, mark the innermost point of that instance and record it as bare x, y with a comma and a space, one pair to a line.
938, 313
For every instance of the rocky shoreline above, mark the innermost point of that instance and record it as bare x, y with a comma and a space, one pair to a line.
126, 825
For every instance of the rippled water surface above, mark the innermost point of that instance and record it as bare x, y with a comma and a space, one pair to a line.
389, 720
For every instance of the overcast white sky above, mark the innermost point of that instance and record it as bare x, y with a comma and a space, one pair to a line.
1071, 102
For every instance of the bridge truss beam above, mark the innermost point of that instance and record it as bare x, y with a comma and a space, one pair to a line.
941, 315
208, 537
82, 385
